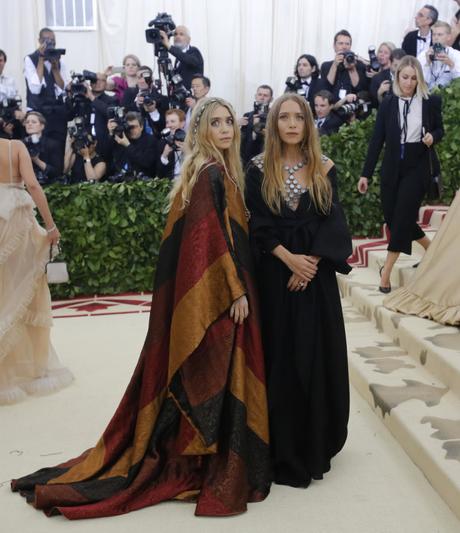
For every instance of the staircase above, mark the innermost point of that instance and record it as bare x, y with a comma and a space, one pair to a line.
407, 368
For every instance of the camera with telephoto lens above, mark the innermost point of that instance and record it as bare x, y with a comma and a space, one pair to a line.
81, 137
171, 138
261, 110
360, 108
149, 96
349, 58
77, 84
162, 22
117, 114
51, 52
33, 144
438, 48
374, 64
8, 107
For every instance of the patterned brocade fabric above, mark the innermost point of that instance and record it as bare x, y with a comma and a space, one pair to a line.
192, 424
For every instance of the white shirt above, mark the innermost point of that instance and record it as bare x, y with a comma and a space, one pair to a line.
437, 73
177, 162
414, 120
33, 82
7, 87
423, 46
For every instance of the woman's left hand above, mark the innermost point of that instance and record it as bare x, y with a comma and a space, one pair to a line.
296, 283
239, 309
427, 139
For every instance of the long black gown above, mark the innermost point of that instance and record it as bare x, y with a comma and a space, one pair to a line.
303, 332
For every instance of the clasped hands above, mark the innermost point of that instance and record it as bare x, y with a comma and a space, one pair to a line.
304, 269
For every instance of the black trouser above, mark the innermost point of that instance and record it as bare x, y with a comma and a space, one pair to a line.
402, 199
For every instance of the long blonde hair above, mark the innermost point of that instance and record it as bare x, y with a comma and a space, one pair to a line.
273, 184
201, 151
411, 61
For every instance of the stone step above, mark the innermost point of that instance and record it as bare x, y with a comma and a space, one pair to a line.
419, 407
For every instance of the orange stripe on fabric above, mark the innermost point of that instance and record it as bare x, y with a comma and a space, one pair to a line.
212, 295
245, 386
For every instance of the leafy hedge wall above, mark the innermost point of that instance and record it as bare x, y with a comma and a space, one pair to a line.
111, 233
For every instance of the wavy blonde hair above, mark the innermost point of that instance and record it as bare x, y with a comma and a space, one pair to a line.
201, 151
273, 184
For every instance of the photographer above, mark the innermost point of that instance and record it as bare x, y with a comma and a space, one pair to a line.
7, 84
327, 120
189, 60
44, 151
346, 73
146, 100
46, 79
252, 124
441, 62
11, 118
171, 145
82, 162
418, 41
381, 83
127, 78
305, 81
99, 102
129, 148
201, 85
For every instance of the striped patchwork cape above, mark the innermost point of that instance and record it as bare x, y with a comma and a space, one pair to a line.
192, 424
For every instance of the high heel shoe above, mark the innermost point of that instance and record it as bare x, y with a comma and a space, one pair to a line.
385, 290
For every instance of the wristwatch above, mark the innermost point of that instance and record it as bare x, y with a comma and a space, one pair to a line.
87, 160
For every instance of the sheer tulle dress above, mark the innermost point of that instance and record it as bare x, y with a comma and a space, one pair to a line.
28, 362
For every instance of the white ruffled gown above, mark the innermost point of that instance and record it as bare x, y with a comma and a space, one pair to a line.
28, 361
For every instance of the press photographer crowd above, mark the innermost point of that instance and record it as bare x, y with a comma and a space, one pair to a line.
92, 126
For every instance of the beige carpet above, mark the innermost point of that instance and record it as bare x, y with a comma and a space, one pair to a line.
373, 486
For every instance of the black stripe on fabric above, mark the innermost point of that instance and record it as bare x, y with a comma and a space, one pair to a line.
169, 255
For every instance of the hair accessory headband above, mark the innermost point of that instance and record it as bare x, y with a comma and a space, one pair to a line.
199, 114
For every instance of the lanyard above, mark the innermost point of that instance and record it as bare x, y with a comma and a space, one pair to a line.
406, 110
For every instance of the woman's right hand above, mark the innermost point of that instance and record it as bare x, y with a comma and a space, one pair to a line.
304, 266
363, 184
54, 236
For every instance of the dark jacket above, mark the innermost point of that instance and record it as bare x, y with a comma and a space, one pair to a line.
409, 44
187, 63
139, 156
388, 132
166, 171
331, 124
250, 147
316, 85
162, 105
50, 154
342, 79
376, 81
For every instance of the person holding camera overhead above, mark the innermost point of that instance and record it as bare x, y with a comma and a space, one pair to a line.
252, 124
127, 78
44, 151
408, 122
82, 162
189, 60
306, 80
441, 62
171, 145
346, 73
46, 79
132, 151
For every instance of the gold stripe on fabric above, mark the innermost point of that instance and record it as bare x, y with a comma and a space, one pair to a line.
134, 454
188, 496
235, 204
247, 388
216, 290
94, 462
197, 447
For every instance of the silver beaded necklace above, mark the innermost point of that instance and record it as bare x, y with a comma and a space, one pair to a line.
292, 187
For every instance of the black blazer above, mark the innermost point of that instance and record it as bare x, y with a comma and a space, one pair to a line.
331, 124
387, 131
342, 79
409, 44
316, 85
187, 63
50, 153
376, 81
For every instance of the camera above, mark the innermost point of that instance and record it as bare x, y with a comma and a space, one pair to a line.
360, 108
171, 138
349, 58
293, 85
149, 97
8, 106
33, 144
117, 114
51, 52
81, 137
179, 92
374, 62
438, 48
77, 83
261, 110
162, 22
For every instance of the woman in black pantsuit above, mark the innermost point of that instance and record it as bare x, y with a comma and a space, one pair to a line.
408, 123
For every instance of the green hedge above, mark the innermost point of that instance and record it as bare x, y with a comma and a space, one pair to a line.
111, 233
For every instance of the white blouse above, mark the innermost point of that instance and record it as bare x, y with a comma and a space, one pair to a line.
414, 120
